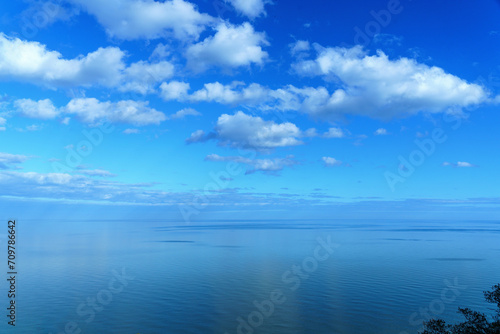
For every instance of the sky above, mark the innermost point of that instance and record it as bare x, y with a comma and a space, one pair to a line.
249, 109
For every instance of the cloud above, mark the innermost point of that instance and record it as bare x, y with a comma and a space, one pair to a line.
43, 109
459, 164
131, 131
147, 19
184, 112
92, 111
378, 87
334, 133
230, 47
95, 172
233, 94
250, 132
250, 8
331, 162
174, 90
300, 48
142, 76
31, 62
9, 161
381, 132
257, 165
2, 121
198, 136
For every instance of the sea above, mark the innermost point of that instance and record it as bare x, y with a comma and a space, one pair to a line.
246, 277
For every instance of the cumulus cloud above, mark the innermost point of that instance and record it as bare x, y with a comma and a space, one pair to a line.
379, 87
92, 111
331, 162
230, 47
334, 133
234, 94
147, 19
250, 132
32, 62
250, 8
43, 109
184, 112
459, 164
142, 76
258, 165
174, 90
380, 132
9, 161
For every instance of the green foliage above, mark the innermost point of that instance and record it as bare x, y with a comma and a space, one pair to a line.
475, 322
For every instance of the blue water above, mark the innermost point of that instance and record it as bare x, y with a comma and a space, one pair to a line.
168, 277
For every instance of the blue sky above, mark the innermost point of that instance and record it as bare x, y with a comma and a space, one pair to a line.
249, 109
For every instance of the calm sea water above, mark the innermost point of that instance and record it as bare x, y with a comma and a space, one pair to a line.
221, 277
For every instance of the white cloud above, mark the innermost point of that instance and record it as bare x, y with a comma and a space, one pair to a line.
300, 48
31, 62
459, 164
184, 112
142, 76
95, 172
263, 165
43, 109
147, 19
131, 131
3, 128
2, 121
334, 133
197, 137
250, 8
8, 161
380, 132
379, 87
331, 162
92, 111
232, 94
174, 90
230, 47
245, 131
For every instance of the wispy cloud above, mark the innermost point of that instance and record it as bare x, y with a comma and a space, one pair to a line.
459, 164
331, 162
9, 161
271, 166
